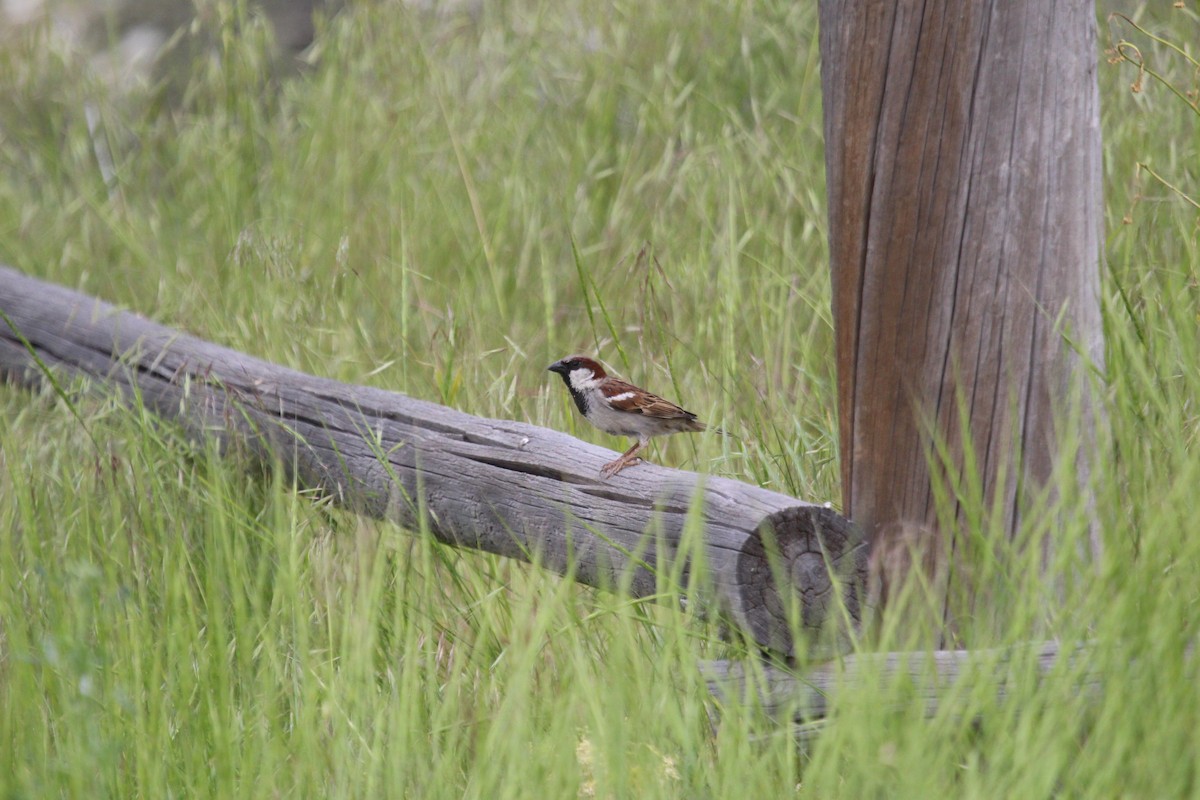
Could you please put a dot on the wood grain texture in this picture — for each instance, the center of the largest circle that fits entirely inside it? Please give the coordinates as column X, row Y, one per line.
column 963, row 168
column 505, row 487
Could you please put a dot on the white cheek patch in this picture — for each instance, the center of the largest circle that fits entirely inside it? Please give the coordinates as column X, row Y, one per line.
column 581, row 378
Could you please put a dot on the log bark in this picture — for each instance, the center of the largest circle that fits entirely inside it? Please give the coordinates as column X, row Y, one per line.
column 963, row 168
column 500, row 486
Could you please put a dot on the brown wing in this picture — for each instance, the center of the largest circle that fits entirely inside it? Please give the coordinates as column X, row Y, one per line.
column 623, row 396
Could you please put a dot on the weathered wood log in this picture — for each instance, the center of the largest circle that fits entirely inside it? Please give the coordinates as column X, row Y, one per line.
column 930, row 676
column 505, row 487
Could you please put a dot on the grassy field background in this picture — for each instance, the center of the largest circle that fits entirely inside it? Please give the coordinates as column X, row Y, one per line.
column 441, row 203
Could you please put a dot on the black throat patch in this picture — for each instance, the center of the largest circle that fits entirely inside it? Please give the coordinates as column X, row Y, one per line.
column 576, row 395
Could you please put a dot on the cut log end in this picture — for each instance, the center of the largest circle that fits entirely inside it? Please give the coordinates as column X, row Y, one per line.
column 803, row 570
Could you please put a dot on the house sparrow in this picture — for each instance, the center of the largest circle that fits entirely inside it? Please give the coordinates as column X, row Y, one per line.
column 621, row 408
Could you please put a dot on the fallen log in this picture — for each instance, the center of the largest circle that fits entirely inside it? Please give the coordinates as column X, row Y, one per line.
column 500, row 486
column 929, row 675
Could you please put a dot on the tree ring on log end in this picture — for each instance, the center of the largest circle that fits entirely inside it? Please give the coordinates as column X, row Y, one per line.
column 812, row 551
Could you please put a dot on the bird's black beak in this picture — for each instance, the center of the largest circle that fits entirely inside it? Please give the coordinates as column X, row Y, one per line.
column 557, row 366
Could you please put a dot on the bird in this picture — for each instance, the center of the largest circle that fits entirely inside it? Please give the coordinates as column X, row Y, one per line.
column 620, row 408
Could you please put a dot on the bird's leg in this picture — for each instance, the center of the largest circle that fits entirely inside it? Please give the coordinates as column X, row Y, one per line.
column 627, row 459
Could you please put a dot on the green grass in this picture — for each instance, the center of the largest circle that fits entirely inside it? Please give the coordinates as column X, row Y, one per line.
column 442, row 204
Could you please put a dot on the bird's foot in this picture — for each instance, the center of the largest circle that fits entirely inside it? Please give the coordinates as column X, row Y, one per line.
column 612, row 468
